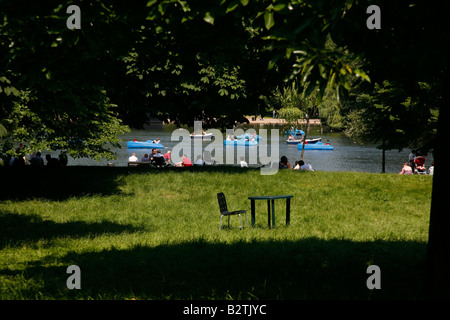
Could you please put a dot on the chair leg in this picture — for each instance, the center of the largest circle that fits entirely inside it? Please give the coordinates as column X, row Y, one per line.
column 220, row 226
column 246, row 218
column 240, row 220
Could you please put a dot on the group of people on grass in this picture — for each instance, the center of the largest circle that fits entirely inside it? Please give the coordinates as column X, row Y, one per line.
column 19, row 159
column 416, row 165
column 157, row 158
column 299, row 165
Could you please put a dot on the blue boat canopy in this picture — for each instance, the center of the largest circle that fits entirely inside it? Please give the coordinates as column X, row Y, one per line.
column 144, row 145
column 315, row 146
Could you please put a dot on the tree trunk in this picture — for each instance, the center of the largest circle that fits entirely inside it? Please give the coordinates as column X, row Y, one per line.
column 438, row 258
column 304, row 138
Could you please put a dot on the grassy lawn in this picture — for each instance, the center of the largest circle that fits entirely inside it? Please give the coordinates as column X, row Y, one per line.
column 154, row 234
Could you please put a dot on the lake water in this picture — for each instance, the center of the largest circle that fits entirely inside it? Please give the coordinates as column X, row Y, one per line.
column 346, row 156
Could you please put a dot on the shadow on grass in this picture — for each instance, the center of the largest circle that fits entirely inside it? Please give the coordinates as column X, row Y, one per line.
column 304, row 269
column 15, row 229
column 62, row 183
column 57, row 183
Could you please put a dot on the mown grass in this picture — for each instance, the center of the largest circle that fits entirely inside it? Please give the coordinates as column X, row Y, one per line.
column 154, row 234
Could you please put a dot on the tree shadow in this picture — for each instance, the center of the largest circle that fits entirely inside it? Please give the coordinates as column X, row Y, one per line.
column 61, row 183
column 17, row 229
column 58, row 183
column 303, row 269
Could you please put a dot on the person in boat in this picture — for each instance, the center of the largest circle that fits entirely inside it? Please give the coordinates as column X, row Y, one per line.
column 284, row 163
column 228, row 138
column 406, row 169
column 291, row 137
column 328, row 143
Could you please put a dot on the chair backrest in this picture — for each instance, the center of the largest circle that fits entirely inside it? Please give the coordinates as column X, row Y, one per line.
column 159, row 161
column 222, row 202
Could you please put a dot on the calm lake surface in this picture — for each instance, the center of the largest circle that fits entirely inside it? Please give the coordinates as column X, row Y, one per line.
column 346, row 156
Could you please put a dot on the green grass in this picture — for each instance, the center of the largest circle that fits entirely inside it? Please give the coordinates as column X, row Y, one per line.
column 154, row 234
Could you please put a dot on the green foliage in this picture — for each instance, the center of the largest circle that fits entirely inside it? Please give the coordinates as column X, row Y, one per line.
column 185, row 60
column 291, row 115
column 387, row 115
column 80, row 136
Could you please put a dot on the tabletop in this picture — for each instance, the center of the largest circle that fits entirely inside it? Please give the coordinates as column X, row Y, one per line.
column 270, row 197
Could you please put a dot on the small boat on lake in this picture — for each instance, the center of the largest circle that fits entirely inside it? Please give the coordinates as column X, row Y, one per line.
column 149, row 144
column 309, row 141
column 295, row 132
column 249, row 136
column 202, row 136
column 315, row 146
column 240, row 142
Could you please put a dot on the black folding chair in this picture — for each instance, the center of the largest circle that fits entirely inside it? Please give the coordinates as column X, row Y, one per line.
column 224, row 211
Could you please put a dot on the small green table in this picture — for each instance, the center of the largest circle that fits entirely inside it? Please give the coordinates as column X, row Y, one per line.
column 272, row 199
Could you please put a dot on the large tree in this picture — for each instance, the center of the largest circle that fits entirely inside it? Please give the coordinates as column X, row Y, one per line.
column 410, row 49
column 58, row 97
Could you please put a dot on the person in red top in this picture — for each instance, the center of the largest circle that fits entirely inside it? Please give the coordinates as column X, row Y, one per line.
column 167, row 156
column 185, row 162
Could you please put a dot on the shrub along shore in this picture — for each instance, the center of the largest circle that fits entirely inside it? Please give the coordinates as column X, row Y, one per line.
column 142, row 233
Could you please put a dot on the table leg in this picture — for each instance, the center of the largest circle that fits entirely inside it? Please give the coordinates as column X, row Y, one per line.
column 288, row 211
column 273, row 213
column 253, row 212
column 268, row 212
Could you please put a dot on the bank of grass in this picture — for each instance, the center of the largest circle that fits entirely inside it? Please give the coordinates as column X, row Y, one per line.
column 154, row 234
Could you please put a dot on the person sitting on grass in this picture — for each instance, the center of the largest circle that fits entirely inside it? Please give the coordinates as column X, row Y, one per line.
column 243, row 163
column 167, row 156
column 406, row 169
column 301, row 165
column 157, row 158
column 185, row 162
column 284, row 163
column 199, row 161
column 133, row 158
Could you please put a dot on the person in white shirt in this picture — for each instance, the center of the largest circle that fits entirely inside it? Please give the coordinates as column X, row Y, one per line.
column 302, row 166
column 431, row 169
column 133, row 158
column 243, row 163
